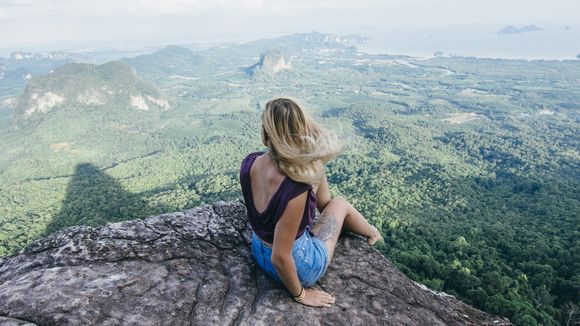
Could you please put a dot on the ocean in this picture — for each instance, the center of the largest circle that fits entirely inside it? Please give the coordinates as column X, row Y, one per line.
column 554, row 42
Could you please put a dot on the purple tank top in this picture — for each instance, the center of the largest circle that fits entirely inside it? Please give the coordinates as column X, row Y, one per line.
column 264, row 223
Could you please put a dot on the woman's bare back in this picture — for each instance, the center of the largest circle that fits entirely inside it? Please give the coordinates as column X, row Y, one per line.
column 265, row 180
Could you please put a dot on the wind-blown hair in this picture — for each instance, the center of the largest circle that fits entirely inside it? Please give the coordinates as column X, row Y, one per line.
column 299, row 145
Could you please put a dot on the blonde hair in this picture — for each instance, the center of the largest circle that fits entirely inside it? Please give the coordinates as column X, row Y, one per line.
column 297, row 143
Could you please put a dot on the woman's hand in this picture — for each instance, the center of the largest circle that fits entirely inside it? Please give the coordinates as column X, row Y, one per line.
column 317, row 298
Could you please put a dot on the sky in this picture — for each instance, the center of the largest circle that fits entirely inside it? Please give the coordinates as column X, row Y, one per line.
column 74, row 24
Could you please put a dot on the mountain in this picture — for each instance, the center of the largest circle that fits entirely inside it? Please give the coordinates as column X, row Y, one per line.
column 170, row 61
column 515, row 30
column 195, row 267
column 100, row 114
column 86, row 85
column 270, row 62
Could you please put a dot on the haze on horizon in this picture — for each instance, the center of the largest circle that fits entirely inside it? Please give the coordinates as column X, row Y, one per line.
column 45, row 25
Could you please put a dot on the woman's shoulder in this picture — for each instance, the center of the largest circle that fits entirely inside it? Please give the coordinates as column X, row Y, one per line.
column 256, row 153
column 252, row 155
column 247, row 163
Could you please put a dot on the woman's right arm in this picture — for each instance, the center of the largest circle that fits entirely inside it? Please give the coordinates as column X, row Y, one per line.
column 284, row 236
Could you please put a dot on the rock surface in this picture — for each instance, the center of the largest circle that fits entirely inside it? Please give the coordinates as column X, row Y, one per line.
column 195, row 268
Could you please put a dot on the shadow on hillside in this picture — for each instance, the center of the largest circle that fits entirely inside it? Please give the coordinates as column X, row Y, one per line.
column 94, row 198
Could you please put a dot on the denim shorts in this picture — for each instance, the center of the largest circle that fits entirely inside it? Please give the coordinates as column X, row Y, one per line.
column 309, row 253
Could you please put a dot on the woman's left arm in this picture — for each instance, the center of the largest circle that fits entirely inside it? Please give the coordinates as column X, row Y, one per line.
column 284, row 236
column 322, row 193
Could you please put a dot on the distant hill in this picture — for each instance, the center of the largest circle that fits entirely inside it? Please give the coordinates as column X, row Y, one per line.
column 270, row 63
column 298, row 41
column 180, row 63
column 19, row 67
column 515, row 30
column 87, row 85
column 171, row 60
column 296, row 44
column 333, row 38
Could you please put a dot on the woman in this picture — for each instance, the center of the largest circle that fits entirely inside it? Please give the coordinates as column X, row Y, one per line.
column 282, row 187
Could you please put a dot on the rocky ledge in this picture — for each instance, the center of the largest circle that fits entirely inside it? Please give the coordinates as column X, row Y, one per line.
column 195, row 268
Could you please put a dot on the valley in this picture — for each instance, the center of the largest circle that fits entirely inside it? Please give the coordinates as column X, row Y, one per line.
column 470, row 167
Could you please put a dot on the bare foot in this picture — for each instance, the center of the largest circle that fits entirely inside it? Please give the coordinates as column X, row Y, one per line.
column 376, row 235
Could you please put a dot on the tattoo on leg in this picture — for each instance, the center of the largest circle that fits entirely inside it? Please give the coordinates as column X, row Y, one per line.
column 326, row 226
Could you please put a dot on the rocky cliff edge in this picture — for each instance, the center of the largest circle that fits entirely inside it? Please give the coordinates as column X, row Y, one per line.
column 195, row 268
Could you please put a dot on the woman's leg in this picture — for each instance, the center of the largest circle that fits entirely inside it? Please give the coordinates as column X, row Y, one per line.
column 338, row 213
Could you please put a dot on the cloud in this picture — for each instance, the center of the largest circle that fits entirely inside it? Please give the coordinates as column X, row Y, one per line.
column 192, row 6
column 409, row 8
column 138, row 7
column 32, row 3
column 168, row 7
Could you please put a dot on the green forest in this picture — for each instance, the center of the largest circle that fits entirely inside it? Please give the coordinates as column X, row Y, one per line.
column 469, row 167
